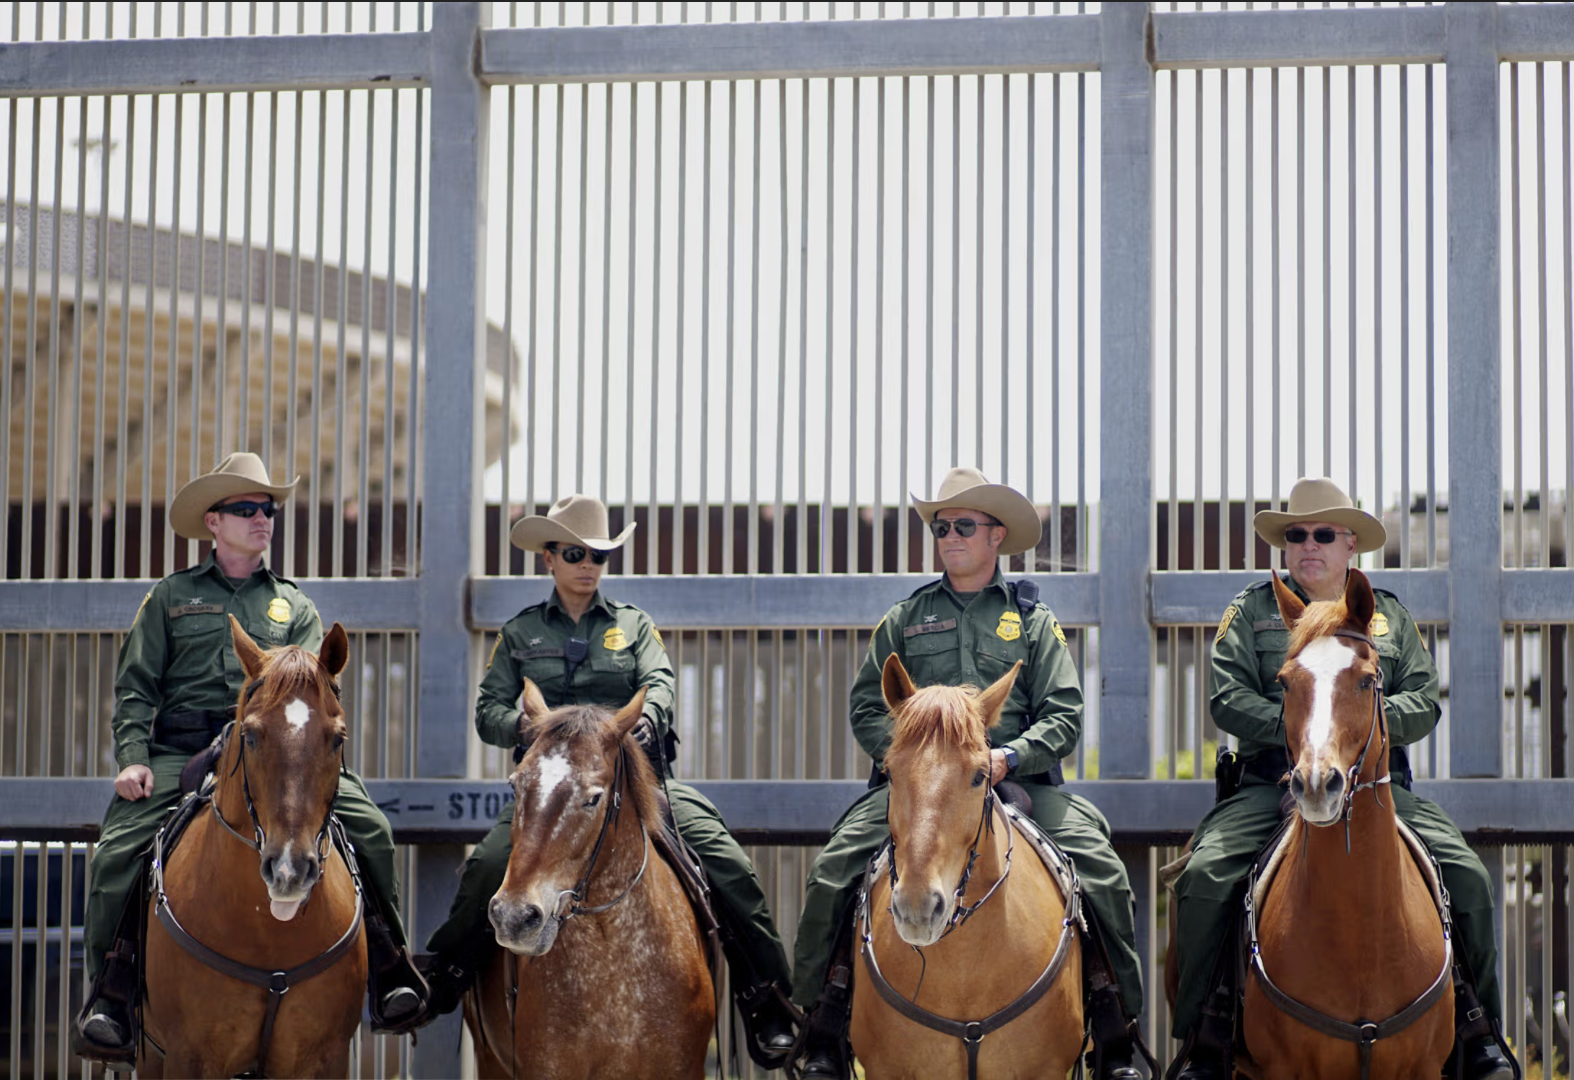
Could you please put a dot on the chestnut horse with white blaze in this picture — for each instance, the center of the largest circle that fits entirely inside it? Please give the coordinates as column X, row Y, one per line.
column 259, row 885
column 1351, row 973
column 968, row 965
column 605, row 972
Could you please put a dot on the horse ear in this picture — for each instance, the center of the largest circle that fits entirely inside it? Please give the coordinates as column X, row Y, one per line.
column 629, row 715
column 993, row 699
column 335, row 651
column 1290, row 607
column 531, row 703
column 250, row 656
column 1359, row 600
column 895, row 683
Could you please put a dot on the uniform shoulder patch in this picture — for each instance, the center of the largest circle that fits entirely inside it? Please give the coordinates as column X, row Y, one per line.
column 657, row 633
column 1224, row 623
column 1054, row 626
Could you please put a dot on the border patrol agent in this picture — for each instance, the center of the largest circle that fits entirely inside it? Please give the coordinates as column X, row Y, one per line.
column 175, row 688
column 1321, row 532
column 971, row 626
column 579, row 647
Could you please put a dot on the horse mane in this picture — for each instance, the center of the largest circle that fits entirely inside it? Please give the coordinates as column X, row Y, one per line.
column 571, row 721
column 943, row 715
column 289, row 670
column 1321, row 619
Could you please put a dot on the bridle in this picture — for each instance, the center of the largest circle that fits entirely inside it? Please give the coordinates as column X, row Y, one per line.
column 1365, row 1034
column 277, row 983
column 960, row 912
column 570, row 903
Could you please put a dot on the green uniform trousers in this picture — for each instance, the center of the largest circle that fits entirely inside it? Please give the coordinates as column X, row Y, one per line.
column 128, row 832
column 1074, row 823
column 740, row 902
column 1211, row 889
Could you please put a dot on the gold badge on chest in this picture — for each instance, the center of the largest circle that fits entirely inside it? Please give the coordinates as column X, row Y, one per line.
column 1379, row 625
column 279, row 609
column 1010, row 627
column 614, row 640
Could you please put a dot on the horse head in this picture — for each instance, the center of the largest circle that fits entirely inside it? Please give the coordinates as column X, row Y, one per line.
column 939, row 810
column 569, row 791
column 1334, row 729
column 285, row 753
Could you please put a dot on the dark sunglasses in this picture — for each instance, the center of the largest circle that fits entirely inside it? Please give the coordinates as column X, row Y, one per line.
column 1295, row 534
column 247, row 509
column 965, row 527
column 572, row 555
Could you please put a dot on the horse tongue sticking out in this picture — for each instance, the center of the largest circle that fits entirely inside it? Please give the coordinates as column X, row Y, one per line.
column 284, row 910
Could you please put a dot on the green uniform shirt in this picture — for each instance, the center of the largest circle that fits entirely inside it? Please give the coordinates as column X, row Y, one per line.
column 1249, row 649
column 942, row 641
column 178, row 656
column 626, row 653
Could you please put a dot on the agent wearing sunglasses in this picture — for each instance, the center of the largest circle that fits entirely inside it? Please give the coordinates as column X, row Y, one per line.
column 1320, row 534
column 969, row 627
column 579, row 647
column 175, row 687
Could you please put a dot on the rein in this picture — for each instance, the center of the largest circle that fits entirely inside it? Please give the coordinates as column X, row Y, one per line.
column 1365, row 1034
column 570, row 903
column 971, row 1032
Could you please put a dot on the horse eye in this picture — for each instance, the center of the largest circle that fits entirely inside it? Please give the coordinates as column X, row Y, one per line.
column 1366, row 683
column 251, row 740
column 591, row 802
column 978, row 778
column 338, row 742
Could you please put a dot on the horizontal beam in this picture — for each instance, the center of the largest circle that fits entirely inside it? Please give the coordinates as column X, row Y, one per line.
column 767, row 601
column 1535, row 32
column 1186, row 597
column 108, row 606
column 1297, row 38
column 845, row 48
column 803, row 811
column 181, row 65
column 1537, row 596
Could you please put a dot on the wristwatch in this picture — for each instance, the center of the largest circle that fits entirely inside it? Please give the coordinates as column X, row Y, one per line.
column 1011, row 759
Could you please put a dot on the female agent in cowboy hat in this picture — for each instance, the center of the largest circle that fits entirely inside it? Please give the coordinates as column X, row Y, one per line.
column 175, row 689
column 1320, row 533
column 973, row 626
column 577, row 646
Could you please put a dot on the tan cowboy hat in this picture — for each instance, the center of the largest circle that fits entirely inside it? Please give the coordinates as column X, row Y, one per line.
column 968, row 489
column 238, row 474
column 1317, row 498
column 574, row 519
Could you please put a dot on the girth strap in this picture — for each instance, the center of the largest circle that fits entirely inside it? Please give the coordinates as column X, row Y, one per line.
column 971, row 1032
column 277, row 983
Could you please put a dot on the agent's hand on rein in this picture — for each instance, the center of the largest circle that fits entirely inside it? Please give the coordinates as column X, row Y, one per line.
column 134, row 782
column 997, row 767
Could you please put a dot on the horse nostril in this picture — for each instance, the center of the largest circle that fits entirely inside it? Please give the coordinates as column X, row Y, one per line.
column 267, row 867
column 532, row 916
column 1335, row 783
column 936, row 905
column 1297, row 785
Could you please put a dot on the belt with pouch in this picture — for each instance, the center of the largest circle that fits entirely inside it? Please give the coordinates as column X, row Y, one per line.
column 192, row 730
column 1270, row 765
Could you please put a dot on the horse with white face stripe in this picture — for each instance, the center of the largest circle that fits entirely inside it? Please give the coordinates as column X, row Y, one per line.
column 1350, row 933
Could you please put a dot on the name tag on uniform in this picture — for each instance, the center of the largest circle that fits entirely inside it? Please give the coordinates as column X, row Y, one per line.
column 195, row 609
column 929, row 628
column 534, row 654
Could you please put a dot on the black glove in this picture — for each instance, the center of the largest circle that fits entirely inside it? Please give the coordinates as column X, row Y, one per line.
column 651, row 742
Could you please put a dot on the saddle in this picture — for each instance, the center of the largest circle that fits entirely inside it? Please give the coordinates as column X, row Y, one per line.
column 675, row 851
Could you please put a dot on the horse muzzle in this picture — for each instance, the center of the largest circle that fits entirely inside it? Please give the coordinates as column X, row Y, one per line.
column 1318, row 793
column 522, row 926
column 920, row 914
column 290, row 874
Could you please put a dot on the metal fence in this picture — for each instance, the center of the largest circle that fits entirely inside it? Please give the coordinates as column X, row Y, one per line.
column 753, row 273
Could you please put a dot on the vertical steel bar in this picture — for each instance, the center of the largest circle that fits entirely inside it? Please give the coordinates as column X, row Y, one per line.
column 1249, row 309
column 1404, row 324
column 827, row 504
column 1325, row 121
column 1544, row 530
column 1378, row 247
column 680, row 356
column 1431, row 329
column 1474, row 409
column 1126, row 433
column 753, row 538
column 1171, row 84
column 1226, row 519
column 855, row 152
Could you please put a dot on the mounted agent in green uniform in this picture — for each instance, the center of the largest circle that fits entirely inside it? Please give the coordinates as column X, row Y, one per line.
column 579, row 647
column 971, row 626
column 1320, row 534
column 175, row 688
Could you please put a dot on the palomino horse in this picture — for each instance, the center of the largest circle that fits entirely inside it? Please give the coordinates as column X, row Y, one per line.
column 230, row 941
column 606, row 972
column 959, row 939
column 1350, row 965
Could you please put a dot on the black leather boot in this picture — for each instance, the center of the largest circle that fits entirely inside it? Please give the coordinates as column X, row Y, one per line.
column 397, row 990
column 770, row 1021
column 1479, row 1054
column 1114, row 1052
column 105, row 1030
column 825, row 1053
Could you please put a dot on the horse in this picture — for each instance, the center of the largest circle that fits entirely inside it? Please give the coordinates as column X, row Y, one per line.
column 605, row 970
column 960, row 940
column 1350, row 961
column 258, row 897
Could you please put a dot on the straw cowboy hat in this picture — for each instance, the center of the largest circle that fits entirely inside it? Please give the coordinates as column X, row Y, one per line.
column 968, row 489
column 239, row 474
column 1319, row 499
column 574, row 519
